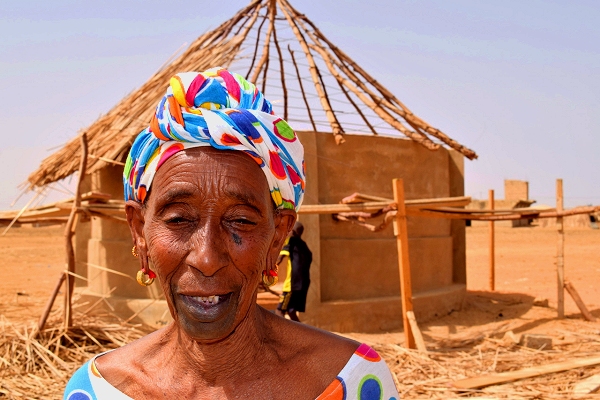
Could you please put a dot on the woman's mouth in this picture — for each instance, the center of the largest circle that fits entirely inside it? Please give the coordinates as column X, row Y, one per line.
column 210, row 300
column 206, row 308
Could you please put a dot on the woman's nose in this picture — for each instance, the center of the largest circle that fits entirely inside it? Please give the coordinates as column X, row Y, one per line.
column 208, row 253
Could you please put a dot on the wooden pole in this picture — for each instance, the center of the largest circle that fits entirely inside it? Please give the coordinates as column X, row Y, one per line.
column 560, row 254
column 492, row 245
column 69, row 235
column 403, row 262
column 416, row 332
column 50, row 303
column 580, row 304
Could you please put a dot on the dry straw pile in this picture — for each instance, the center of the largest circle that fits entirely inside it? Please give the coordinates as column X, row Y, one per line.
column 38, row 365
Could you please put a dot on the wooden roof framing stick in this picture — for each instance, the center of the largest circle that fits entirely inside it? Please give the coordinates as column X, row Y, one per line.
column 260, row 26
column 310, row 117
column 401, row 110
column 249, row 22
column 560, row 253
column 333, row 121
column 357, row 108
column 345, row 91
column 265, row 52
column 401, row 233
column 380, row 111
column 281, row 67
column 272, row 11
column 68, row 322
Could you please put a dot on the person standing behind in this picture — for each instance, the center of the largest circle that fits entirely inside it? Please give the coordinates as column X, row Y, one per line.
column 295, row 286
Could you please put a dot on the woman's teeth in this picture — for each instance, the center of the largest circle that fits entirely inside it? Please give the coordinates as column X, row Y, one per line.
column 207, row 300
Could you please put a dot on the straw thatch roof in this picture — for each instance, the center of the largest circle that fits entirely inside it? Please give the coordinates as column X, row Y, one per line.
column 312, row 83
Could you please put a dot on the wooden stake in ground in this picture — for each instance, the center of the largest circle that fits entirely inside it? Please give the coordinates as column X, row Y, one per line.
column 69, row 234
column 416, row 332
column 580, row 304
column 403, row 262
column 560, row 254
column 492, row 245
column 50, row 303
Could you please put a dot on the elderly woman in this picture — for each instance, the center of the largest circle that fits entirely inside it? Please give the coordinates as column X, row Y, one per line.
column 212, row 190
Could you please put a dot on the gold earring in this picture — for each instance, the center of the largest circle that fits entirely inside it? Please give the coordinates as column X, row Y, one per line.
column 269, row 277
column 134, row 251
column 145, row 278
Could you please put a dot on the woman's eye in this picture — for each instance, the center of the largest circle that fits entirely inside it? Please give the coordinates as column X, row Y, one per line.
column 244, row 221
column 241, row 223
column 176, row 220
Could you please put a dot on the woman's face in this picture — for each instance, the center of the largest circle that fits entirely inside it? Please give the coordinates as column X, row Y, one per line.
column 210, row 229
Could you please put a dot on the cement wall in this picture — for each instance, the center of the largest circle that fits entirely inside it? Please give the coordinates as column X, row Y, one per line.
column 357, row 270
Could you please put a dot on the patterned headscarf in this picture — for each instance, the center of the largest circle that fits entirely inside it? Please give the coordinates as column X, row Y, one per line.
column 219, row 109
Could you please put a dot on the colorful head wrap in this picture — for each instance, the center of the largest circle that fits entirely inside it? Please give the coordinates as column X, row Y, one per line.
column 219, row 109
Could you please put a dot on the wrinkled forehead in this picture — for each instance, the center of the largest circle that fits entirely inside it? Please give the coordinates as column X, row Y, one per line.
column 208, row 171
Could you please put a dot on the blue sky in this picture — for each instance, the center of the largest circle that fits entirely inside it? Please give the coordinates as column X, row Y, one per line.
column 518, row 81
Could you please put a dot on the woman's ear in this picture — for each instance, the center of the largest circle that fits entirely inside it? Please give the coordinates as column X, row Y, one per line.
column 284, row 222
column 135, row 219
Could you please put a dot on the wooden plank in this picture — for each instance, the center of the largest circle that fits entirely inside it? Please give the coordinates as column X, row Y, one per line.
column 492, row 245
column 465, row 214
column 586, row 386
column 504, row 377
column 99, row 196
column 378, row 205
column 403, row 262
column 560, row 253
column 580, row 304
column 495, row 211
column 341, row 208
column 416, row 332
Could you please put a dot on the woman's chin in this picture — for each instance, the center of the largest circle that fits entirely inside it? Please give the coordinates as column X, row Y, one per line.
column 204, row 318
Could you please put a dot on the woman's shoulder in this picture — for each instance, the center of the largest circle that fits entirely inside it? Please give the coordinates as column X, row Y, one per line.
column 333, row 364
column 302, row 336
column 123, row 367
column 304, row 344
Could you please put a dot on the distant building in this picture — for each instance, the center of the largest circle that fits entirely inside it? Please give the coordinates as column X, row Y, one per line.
column 516, row 195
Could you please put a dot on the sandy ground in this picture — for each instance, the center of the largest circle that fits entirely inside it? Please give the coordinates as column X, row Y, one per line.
column 526, row 262
column 32, row 260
